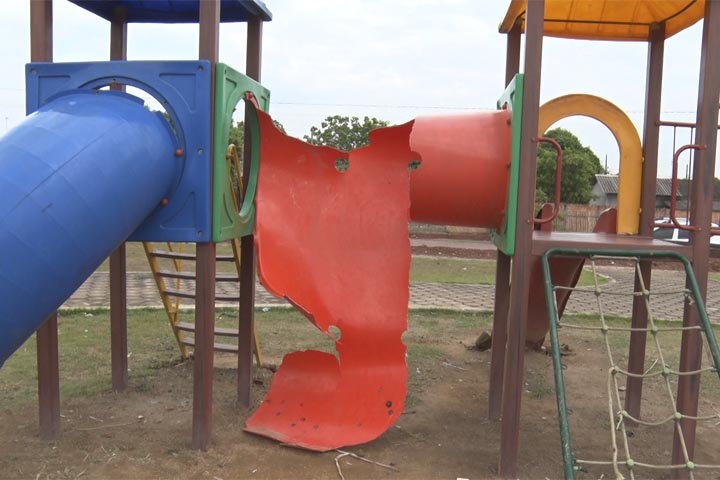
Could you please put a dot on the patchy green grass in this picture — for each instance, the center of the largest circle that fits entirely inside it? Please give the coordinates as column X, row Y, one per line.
column 452, row 270
column 423, row 269
column 619, row 342
column 136, row 260
column 84, row 346
column 85, row 354
column 467, row 271
column 84, row 349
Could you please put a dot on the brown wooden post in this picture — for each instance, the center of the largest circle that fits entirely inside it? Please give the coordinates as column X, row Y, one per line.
column 700, row 215
column 502, row 269
column 520, row 270
column 118, row 320
column 499, row 335
column 41, row 31
column 48, row 378
column 651, row 140
column 512, row 54
column 118, row 278
column 41, row 50
column 205, row 269
column 246, row 317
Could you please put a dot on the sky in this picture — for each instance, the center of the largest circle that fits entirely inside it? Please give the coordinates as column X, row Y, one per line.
column 394, row 60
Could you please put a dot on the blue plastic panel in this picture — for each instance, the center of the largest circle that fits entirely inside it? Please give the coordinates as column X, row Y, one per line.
column 76, row 178
column 183, row 88
column 175, row 11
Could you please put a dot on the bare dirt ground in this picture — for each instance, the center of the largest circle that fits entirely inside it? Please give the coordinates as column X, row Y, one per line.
column 444, row 432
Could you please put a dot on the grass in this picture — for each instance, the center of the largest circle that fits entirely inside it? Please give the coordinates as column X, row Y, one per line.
column 467, row 271
column 452, row 270
column 670, row 342
column 84, row 339
column 423, row 269
column 85, row 356
column 137, row 261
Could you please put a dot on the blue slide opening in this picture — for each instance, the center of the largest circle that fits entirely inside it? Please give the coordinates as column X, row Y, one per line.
column 77, row 177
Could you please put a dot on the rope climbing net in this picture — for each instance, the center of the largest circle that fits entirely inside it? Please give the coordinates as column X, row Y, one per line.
column 624, row 460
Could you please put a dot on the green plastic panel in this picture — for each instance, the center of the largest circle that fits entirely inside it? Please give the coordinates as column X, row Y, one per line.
column 230, row 88
column 512, row 98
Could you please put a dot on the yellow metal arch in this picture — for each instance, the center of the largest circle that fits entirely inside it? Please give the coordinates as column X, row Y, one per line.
column 628, row 141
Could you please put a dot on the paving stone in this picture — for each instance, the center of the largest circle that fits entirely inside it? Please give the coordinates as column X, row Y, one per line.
column 142, row 292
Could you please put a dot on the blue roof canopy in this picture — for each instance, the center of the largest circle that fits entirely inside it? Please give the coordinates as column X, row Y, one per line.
column 175, row 11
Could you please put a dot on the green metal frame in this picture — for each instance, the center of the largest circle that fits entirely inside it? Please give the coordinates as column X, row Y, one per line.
column 231, row 87
column 569, row 464
column 512, row 99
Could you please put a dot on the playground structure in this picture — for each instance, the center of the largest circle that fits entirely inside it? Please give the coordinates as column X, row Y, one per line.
column 191, row 160
column 178, row 202
column 638, row 21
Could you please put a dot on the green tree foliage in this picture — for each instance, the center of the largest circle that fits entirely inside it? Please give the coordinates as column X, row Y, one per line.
column 580, row 164
column 237, row 133
column 237, row 138
column 344, row 133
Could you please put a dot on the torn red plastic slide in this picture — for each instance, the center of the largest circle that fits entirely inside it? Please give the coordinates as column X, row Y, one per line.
column 332, row 238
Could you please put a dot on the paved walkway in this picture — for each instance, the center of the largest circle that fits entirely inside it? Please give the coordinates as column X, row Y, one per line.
column 143, row 293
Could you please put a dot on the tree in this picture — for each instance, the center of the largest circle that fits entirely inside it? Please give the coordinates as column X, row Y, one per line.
column 344, row 133
column 237, row 133
column 237, row 138
column 580, row 164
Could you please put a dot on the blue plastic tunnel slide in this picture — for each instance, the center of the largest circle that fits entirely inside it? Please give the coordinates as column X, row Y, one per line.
column 77, row 177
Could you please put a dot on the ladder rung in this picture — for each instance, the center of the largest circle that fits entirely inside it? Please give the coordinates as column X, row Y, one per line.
column 218, row 297
column 219, row 331
column 221, row 277
column 220, row 347
column 178, row 293
column 187, row 256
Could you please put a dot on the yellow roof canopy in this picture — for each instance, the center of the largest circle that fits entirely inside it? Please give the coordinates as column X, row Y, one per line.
column 609, row 19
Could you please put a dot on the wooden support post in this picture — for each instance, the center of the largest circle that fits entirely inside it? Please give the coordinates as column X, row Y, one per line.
column 204, row 341
column 651, row 141
column 118, row 34
column 700, row 215
column 48, row 378
column 118, row 320
column 520, row 271
column 41, row 31
column 205, row 266
column 502, row 268
column 512, row 53
column 499, row 335
column 41, row 50
column 246, row 318
column 118, row 278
